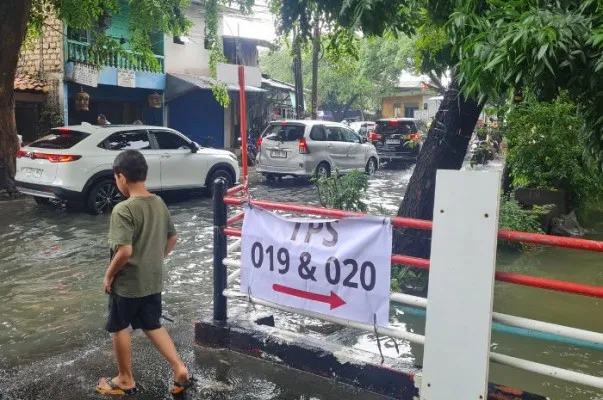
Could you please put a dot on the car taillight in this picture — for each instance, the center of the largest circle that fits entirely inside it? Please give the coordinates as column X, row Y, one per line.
column 259, row 142
column 393, row 122
column 374, row 136
column 413, row 136
column 53, row 158
column 303, row 146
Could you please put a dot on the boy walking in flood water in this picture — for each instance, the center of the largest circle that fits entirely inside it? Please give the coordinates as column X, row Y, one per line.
column 141, row 235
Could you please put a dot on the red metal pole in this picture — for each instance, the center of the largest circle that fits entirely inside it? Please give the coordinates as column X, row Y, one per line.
column 518, row 279
column 235, row 218
column 514, row 236
column 243, row 122
column 235, row 190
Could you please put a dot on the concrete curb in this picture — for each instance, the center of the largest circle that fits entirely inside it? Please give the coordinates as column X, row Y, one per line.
column 257, row 337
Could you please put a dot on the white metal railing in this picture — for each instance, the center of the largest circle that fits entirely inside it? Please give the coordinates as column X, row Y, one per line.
column 526, row 365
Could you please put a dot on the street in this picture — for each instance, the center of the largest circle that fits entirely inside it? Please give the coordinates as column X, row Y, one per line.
column 52, row 343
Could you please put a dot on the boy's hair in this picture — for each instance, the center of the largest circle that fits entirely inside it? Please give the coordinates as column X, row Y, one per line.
column 132, row 165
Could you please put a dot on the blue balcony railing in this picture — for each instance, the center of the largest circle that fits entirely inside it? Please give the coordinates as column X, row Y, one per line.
column 80, row 52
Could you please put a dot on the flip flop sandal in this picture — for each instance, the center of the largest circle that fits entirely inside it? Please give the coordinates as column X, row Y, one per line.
column 180, row 387
column 115, row 390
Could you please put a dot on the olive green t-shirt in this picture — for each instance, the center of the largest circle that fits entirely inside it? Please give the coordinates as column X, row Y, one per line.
column 144, row 223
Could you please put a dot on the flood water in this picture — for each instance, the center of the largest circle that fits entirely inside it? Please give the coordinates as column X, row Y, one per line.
column 52, row 308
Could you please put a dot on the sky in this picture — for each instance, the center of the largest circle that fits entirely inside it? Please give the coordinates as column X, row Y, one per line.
column 259, row 25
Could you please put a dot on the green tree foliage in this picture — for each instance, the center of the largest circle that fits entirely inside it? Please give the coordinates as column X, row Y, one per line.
column 347, row 79
column 343, row 192
column 546, row 149
column 546, row 46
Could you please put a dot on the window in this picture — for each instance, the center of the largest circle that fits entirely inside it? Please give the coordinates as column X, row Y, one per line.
column 350, row 136
column 170, row 141
column 333, row 134
column 396, row 110
column 59, row 139
column 136, row 140
column 409, row 110
column 318, row 133
column 285, row 132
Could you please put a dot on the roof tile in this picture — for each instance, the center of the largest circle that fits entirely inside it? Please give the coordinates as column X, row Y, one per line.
column 26, row 83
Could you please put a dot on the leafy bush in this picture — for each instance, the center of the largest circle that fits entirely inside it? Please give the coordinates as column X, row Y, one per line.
column 343, row 192
column 546, row 149
column 514, row 218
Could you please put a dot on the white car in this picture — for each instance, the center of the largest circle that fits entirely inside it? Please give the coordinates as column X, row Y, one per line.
column 313, row 148
column 74, row 163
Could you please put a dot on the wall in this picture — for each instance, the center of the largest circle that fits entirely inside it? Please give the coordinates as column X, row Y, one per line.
column 198, row 115
column 191, row 57
column 387, row 103
column 119, row 104
column 46, row 53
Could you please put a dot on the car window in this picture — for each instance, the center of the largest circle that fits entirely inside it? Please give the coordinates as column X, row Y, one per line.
column 170, row 141
column 318, row 133
column 395, row 126
column 285, row 132
column 136, row 140
column 333, row 134
column 61, row 138
column 350, row 136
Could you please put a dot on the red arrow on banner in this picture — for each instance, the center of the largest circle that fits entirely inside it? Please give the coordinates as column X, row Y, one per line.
column 333, row 300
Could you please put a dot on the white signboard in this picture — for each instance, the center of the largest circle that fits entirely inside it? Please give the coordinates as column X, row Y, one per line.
column 126, row 78
column 335, row 267
column 229, row 73
column 85, row 74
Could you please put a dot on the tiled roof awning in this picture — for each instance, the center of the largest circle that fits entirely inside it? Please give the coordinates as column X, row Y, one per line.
column 27, row 83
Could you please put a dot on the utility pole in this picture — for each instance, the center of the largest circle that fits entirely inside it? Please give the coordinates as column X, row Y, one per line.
column 315, row 53
column 297, row 74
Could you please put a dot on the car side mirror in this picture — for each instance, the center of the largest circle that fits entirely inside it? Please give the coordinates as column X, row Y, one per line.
column 363, row 139
column 193, row 146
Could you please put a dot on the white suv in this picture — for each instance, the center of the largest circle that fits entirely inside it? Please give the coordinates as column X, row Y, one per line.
column 74, row 163
column 313, row 148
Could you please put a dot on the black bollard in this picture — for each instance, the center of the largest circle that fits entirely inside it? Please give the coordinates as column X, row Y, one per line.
column 220, row 276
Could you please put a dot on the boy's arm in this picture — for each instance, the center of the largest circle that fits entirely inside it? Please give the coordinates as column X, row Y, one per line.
column 120, row 259
column 169, row 246
column 172, row 235
column 121, row 231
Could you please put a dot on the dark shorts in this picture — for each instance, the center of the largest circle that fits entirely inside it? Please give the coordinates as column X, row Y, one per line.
column 138, row 312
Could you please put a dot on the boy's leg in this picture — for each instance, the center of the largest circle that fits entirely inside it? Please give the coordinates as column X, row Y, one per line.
column 122, row 347
column 165, row 346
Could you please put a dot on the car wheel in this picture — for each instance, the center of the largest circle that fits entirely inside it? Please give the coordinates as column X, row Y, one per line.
column 103, row 197
column 42, row 201
column 323, row 170
column 371, row 167
column 222, row 174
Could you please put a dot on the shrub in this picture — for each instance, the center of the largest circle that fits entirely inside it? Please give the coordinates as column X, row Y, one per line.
column 546, row 149
column 343, row 192
column 514, row 218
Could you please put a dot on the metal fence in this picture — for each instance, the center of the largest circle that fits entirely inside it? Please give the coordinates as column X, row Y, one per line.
column 226, row 227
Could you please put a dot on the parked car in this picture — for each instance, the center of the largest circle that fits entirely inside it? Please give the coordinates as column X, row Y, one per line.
column 74, row 163
column 398, row 139
column 313, row 148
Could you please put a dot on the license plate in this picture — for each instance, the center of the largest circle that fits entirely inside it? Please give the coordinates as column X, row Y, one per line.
column 278, row 154
column 392, row 141
column 33, row 172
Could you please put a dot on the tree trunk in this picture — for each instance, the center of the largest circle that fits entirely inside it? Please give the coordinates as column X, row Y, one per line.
column 445, row 148
column 315, row 52
column 14, row 15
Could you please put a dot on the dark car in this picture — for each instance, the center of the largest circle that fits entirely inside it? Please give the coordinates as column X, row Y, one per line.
column 398, row 139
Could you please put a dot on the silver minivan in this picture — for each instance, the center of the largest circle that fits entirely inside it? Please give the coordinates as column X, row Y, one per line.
column 307, row 148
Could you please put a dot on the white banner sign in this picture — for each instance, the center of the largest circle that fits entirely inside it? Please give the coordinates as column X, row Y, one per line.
column 229, row 73
column 126, row 78
column 335, row 267
column 85, row 74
